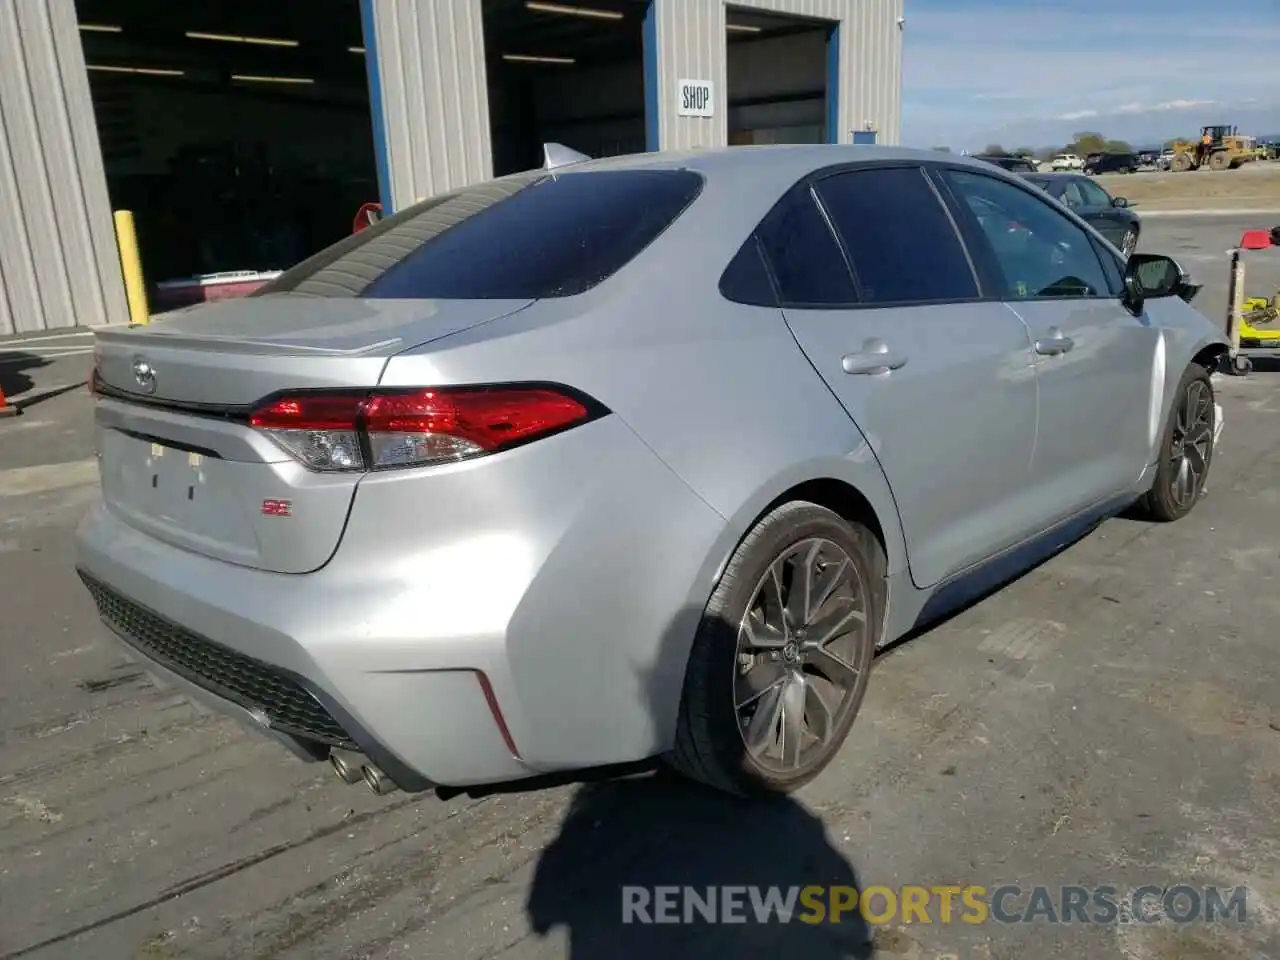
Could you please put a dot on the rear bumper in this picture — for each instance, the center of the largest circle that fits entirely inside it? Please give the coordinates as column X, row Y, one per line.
column 483, row 622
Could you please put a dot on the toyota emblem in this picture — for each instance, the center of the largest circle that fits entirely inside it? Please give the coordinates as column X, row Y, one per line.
column 144, row 375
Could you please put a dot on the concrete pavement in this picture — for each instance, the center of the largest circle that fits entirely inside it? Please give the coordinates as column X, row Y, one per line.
column 1111, row 718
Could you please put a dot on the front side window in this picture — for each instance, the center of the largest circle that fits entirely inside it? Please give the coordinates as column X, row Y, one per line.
column 899, row 236
column 1040, row 253
column 1094, row 195
column 1070, row 195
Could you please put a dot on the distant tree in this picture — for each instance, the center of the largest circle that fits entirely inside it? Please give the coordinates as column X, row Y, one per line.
column 1024, row 152
column 1087, row 142
column 943, row 149
column 1118, row 146
column 993, row 148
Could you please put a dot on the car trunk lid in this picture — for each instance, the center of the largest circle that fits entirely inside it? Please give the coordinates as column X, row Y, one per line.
column 178, row 458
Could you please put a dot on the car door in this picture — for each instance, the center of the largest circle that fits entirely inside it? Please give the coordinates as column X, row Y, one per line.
column 1097, row 208
column 888, row 310
column 1095, row 361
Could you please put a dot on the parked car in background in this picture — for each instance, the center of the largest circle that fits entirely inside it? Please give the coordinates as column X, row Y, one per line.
column 1147, row 159
column 1066, row 161
column 206, row 288
column 1110, row 216
column 1010, row 162
column 612, row 462
column 1096, row 163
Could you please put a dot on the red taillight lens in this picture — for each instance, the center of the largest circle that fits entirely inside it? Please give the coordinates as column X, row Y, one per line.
column 319, row 429
column 379, row 429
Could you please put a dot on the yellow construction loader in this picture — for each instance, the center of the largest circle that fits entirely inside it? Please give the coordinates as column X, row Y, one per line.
column 1219, row 148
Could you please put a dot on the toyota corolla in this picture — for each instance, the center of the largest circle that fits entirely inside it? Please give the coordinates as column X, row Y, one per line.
column 632, row 458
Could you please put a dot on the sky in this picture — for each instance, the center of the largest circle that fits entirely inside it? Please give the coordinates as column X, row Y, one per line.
column 1034, row 72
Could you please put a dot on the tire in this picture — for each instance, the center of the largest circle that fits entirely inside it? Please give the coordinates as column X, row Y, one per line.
column 717, row 702
column 1168, row 499
column 1220, row 161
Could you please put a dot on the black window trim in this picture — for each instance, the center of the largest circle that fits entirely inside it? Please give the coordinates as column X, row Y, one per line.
column 977, row 238
column 808, row 184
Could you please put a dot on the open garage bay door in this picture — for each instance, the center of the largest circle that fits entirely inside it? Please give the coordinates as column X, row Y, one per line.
column 781, row 88
column 564, row 73
column 239, row 134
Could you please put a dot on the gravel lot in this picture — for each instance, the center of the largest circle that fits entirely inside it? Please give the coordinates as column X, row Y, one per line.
column 1255, row 185
column 1111, row 718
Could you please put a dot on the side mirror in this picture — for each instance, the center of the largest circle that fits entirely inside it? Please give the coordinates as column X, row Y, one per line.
column 1152, row 276
column 1120, row 202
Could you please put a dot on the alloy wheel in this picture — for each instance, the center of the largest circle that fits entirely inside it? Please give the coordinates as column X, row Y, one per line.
column 1192, row 444
column 804, row 649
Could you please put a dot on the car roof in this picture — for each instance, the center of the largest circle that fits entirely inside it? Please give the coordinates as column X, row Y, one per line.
column 781, row 164
column 759, row 174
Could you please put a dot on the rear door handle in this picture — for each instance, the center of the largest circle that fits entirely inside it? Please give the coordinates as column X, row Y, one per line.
column 874, row 358
column 1054, row 344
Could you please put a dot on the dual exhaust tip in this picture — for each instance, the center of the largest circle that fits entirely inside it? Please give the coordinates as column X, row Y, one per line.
column 353, row 768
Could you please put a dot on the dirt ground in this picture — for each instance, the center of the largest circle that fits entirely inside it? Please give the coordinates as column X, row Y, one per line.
column 1255, row 185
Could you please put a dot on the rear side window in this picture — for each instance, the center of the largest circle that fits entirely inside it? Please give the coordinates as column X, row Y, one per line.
column 808, row 267
column 899, row 236
column 527, row 237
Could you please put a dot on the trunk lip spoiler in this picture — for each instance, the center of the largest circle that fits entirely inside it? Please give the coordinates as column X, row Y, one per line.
column 159, row 338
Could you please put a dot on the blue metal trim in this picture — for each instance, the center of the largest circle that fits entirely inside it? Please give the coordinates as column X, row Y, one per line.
column 833, row 85
column 651, row 103
column 864, row 136
column 377, row 116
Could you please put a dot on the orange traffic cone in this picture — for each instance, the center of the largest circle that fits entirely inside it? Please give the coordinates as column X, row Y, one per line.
column 7, row 409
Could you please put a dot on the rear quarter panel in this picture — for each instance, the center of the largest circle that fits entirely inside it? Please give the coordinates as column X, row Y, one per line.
column 719, row 391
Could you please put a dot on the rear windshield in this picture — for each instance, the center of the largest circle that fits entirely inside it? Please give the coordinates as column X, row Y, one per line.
column 531, row 236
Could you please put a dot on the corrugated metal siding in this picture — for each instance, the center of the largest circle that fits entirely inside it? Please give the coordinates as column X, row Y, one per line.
column 434, row 95
column 58, row 261
column 691, row 46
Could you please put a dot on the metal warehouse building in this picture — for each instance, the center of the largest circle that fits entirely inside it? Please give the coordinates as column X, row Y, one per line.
column 243, row 137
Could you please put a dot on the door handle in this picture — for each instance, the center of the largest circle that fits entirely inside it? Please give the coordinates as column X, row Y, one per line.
column 873, row 359
column 1054, row 344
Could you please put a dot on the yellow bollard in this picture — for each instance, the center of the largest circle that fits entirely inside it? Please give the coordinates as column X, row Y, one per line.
column 131, row 265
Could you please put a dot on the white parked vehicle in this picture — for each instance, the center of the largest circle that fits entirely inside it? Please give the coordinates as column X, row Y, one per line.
column 1067, row 161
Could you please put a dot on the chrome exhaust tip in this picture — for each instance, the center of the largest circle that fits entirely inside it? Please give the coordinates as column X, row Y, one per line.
column 346, row 765
column 377, row 781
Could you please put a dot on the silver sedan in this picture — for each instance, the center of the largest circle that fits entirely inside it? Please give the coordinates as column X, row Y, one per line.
column 633, row 458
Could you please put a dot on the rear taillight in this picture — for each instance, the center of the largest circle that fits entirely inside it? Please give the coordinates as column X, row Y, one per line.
column 370, row 430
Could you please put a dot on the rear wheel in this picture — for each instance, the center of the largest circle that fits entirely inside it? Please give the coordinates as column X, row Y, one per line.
column 779, row 666
column 1220, row 161
column 1186, row 450
column 1180, row 163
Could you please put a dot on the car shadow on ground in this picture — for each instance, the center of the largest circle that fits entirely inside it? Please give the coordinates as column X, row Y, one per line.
column 14, row 364
column 720, row 858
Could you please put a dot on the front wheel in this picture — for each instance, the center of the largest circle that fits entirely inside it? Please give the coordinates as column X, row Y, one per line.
column 1186, row 450
column 779, row 665
column 1129, row 242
